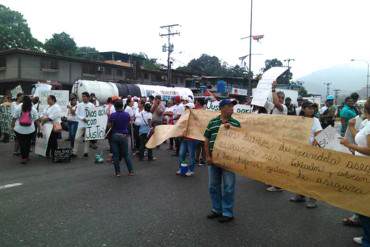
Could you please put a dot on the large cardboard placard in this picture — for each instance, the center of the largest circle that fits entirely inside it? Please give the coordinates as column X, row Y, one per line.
column 96, row 124
column 274, row 149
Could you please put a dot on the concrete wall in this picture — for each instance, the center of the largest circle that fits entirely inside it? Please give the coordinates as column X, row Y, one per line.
column 11, row 70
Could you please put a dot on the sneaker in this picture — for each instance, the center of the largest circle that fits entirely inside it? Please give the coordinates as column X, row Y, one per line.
column 274, row 189
column 225, row 219
column 23, row 161
column 178, row 173
column 358, row 240
column 189, row 174
column 297, row 198
column 213, row 215
column 86, row 155
column 311, row 204
column 131, row 174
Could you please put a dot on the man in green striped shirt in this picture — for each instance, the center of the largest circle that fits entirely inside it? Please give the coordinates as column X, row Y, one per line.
column 222, row 201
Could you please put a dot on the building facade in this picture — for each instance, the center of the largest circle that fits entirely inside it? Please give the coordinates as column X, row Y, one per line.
column 25, row 68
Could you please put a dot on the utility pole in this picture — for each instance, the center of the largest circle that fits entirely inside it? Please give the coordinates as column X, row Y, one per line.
column 288, row 60
column 169, row 48
column 336, row 94
column 327, row 84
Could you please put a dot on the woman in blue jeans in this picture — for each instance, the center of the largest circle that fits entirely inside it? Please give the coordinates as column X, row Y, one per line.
column 119, row 122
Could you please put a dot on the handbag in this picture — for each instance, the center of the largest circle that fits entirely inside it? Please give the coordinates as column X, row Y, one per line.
column 57, row 127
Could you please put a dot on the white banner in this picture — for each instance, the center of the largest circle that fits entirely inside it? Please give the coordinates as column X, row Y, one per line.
column 42, row 143
column 214, row 106
column 97, row 120
column 263, row 90
column 62, row 97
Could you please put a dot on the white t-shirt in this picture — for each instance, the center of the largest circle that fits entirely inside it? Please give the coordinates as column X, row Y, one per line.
column 138, row 118
column 298, row 110
column 145, row 126
column 14, row 106
column 24, row 130
column 81, row 112
column 178, row 110
column 54, row 113
column 361, row 137
column 316, row 126
column 130, row 111
column 323, row 109
column 270, row 107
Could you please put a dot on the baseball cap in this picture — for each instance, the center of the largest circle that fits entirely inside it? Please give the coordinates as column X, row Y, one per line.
column 177, row 99
column 225, row 102
column 330, row 97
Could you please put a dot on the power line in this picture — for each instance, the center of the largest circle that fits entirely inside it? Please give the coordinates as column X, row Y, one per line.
column 169, row 48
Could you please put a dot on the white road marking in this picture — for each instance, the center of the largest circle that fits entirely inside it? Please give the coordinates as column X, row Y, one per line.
column 10, row 186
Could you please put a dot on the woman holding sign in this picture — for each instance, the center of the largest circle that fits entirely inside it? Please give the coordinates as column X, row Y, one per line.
column 362, row 148
column 24, row 127
column 52, row 114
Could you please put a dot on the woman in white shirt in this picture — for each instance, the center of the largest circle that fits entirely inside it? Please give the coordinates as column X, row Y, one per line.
column 24, row 118
column 144, row 131
column 362, row 148
column 72, row 120
column 308, row 110
column 52, row 114
column 137, row 123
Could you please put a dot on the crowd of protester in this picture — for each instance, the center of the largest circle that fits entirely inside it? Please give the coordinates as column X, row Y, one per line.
column 132, row 121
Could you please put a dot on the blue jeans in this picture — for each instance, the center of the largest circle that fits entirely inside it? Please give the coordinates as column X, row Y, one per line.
column 365, row 222
column 222, row 197
column 188, row 146
column 121, row 150
column 72, row 129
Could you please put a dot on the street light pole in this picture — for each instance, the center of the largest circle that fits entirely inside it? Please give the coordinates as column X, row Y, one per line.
column 367, row 76
column 250, row 51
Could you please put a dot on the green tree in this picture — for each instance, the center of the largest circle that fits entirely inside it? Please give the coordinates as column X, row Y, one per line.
column 14, row 31
column 89, row 53
column 147, row 63
column 212, row 65
column 61, row 44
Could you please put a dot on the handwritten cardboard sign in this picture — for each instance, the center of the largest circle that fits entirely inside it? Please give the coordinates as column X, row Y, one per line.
column 274, row 149
column 62, row 97
column 96, row 124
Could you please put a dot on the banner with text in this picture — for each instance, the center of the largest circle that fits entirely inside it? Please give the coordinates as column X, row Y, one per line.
column 214, row 106
column 274, row 149
column 96, row 121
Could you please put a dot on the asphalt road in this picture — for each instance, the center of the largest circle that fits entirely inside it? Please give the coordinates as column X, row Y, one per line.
column 82, row 204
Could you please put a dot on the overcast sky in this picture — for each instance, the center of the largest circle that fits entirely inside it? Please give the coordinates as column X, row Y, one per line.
column 316, row 33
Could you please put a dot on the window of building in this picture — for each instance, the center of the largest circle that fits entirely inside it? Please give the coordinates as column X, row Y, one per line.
column 89, row 69
column 119, row 72
column 108, row 70
column 3, row 62
column 146, row 76
column 49, row 64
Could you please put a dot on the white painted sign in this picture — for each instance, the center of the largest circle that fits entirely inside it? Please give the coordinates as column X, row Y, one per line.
column 214, row 106
column 327, row 137
column 96, row 124
column 42, row 143
column 62, row 97
column 263, row 90
column 239, row 91
column 18, row 89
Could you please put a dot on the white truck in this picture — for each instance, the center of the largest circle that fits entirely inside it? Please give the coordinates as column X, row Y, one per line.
column 104, row 90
